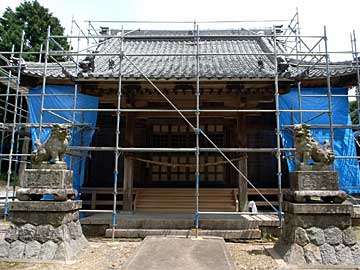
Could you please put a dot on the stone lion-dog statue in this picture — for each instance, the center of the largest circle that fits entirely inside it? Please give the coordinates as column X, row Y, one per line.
column 54, row 148
column 307, row 148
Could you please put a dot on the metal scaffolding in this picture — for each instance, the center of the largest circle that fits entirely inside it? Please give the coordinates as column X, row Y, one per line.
column 297, row 46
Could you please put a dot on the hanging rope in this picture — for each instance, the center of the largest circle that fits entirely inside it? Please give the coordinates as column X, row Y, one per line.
column 184, row 165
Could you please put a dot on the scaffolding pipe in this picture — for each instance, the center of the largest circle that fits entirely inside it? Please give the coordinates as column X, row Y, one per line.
column 278, row 139
column 300, row 102
column 237, row 213
column 17, row 148
column 60, row 117
column 328, row 82
column 75, row 101
column 165, row 150
column 197, row 113
column 94, row 211
column 43, row 90
column 56, row 53
column 347, row 157
column 117, row 142
column 40, row 55
column 11, row 105
column 43, row 125
column 5, row 113
column 36, row 95
column 202, row 36
column 297, row 45
column 185, row 111
column 324, row 126
column 12, row 141
column 185, row 22
column 348, row 96
column 14, row 155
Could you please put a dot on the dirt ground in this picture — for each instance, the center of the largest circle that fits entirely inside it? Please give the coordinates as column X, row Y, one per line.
column 103, row 254
column 252, row 256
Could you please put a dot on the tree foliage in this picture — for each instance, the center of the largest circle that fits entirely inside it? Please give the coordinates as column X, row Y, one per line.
column 354, row 112
column 34, row 19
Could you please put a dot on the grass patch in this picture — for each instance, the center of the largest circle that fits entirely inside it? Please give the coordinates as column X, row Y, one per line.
column 9, row 265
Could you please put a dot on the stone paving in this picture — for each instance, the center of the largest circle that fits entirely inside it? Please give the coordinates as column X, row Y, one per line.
column 177, row 253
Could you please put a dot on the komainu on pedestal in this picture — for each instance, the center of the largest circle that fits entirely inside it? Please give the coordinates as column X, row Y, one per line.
column 318, row 225
column 45, row 230
column 49, row 174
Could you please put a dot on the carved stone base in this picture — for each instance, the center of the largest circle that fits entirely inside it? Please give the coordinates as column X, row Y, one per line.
column 327, row 196
column 35, row 194
column 43, row 231
column 315, row 186
column 53, row 179
column 314, row 180
column 318, row 234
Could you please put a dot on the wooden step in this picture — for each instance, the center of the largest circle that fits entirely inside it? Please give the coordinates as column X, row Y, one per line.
column 183, row 200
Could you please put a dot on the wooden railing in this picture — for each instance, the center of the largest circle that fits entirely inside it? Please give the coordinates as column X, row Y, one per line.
column 269, row 193
column 95, row 191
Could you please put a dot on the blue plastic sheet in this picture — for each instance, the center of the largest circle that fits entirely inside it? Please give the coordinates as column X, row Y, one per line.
column 82, row 134
column 344, row 145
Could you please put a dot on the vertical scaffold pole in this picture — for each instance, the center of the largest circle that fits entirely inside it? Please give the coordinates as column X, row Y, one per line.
column 88, row 38
column 117, row 141
column 298, row 29
column 297, row 48
column 8, row 86
column 299, row 102
column 73, row 120
column 12, row 141
column 40, row 54
column 17, row 146
column 197, row 131
column 277, row 115
column 356, row 55
column 43, row 90
column 328, row 82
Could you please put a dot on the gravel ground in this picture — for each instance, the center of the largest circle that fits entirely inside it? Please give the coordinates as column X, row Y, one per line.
column 103, row 254
column 252, row 256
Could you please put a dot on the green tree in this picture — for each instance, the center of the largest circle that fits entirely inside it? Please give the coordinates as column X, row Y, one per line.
column 34, row 19
column 354, row 112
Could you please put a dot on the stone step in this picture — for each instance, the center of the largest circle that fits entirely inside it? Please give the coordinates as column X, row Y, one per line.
column 226, row 234
column 226, row 224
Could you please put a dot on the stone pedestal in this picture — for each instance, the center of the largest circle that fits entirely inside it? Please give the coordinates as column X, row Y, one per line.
column 307, row 186
column 319, row 230
column 318, row 234
column 45, row 178
column 43, row 231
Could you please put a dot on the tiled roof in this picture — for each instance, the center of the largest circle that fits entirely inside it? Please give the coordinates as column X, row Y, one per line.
column 162, row 63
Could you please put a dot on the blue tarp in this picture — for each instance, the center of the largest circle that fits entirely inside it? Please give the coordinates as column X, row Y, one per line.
column 82, row 133
column 344, row 145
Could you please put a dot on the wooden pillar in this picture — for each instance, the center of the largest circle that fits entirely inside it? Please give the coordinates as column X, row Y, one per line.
column 243, row 185
column 129, row 165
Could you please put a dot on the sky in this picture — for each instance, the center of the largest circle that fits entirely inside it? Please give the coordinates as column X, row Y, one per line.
column 340, row 17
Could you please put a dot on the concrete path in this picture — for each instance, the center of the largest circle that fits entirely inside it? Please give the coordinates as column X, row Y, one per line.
column 175, row 253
